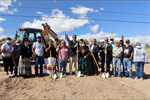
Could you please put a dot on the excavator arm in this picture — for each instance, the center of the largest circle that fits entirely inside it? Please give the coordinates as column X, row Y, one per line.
column 48, row 31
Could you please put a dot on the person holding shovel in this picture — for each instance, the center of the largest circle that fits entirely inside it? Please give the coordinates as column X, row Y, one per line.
column 94, row 48
column 108, row 47
column 63, row 50
column 73, row 44
column 85, row 65
column 48, row 65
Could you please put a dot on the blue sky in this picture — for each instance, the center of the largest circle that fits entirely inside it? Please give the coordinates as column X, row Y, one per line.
column 87, row 29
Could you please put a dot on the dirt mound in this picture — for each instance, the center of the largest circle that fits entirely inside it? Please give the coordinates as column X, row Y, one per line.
column 71, row 87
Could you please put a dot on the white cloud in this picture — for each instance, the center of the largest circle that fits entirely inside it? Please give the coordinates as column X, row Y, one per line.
column 4, row 36
column 94, row 28
column 4, row 4
column 102, row 8
column 57, row 24
column 141, row 39
column 39, row 12
column 2, row 19
column 82, row 11
column 20, row 4
column 99, row 36
column 15, row 0
column 1, row 30
column 15, row 10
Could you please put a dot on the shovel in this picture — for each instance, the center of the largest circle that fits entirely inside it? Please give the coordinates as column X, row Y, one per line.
column 77, row 73
column 53, row 75
column 106, row 74
column 59, row 74
column 101, row 75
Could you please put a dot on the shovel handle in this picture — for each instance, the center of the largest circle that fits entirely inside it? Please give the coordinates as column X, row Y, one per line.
column 77, row 59
column 95, row 60
column 105, row 60
column 59, row 61
column 51, row 60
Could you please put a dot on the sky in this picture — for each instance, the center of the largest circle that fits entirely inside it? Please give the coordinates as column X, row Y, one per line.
column 130, row 18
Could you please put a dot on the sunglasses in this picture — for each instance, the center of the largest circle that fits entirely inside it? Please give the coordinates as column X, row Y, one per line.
column 106, row 40
column 74, row 37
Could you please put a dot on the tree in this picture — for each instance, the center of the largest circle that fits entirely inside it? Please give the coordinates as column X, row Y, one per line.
column 98, row 42
column 147, row 46
column 134, row 45
column 86, row 41
column 2, row 40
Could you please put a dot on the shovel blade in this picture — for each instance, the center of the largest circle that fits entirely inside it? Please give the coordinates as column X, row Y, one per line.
column 103, row 75
column 107, row 75
column 59, row 75
column 54, row 76
column 78, row 73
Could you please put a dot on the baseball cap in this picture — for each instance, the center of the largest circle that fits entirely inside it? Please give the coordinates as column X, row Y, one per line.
column 39, row 37
column 127, row 41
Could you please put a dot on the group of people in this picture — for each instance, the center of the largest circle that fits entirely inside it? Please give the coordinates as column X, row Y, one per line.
column 54, row 53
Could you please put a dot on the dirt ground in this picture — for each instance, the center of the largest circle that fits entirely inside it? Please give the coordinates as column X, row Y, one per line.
column 71, row 87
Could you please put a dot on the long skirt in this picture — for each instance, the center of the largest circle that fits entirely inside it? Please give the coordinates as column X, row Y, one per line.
column 48, row 67
column 85, row 65
column 24, row 67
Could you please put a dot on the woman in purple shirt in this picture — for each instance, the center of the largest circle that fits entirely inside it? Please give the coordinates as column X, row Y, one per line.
column 63, row 56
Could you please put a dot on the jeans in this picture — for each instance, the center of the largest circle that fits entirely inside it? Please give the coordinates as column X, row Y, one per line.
column 122, row 66
column 63, row 65
column 118, row 61
column 39, row 60
column 139, row 67
column 108, row 64
column 16, row 67
column 128, row 63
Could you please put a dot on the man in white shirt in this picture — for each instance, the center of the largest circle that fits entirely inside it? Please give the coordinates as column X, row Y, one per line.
column 38, row 51
column 6, row 49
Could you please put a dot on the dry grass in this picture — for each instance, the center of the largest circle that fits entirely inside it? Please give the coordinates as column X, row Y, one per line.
column 147, row 50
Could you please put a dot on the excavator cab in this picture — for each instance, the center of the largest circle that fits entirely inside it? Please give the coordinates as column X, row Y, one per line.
column 31, row 34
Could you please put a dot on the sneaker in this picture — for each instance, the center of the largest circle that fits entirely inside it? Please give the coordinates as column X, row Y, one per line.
column 82, row 74
column 125, row 76
column 70, row 73
column 11, row 74
column 141, row 78
column 64, row 74
column 23, row 77
column 87, row 74
column 7, row 76
column 15, row 76
column 136, row 78
column 119, row 76
column 132, row 78
column 114, row 75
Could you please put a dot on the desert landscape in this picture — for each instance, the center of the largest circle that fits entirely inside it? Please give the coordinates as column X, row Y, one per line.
column 72, row 87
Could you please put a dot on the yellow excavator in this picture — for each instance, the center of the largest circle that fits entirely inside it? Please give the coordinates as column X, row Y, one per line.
column 32, row 34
